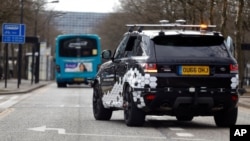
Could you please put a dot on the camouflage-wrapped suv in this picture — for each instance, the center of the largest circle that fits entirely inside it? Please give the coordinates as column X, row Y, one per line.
column 178, row 70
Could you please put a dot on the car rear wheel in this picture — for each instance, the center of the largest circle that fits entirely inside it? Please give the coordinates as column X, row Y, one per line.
column 184, row 118
column 226, row 118
column 132, row 115
column 99, row 111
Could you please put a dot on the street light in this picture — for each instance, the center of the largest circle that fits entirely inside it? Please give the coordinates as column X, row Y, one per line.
column 20, row 47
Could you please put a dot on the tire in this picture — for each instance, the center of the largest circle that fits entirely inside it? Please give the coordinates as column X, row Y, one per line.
column 184, row 118
column 132, row 115
column 61, row 85
column 226, row 118
column 100, row 113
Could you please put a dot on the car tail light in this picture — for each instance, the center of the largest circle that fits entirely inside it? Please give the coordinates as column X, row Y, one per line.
column 58, row 69
column 235, row 98
column 150, row 67
column 150, row 97
column 233, row 68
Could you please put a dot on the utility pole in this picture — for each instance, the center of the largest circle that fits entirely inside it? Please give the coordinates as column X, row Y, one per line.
column 20, row 48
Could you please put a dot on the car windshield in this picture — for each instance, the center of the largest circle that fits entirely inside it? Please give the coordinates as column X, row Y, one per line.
column 190, row 46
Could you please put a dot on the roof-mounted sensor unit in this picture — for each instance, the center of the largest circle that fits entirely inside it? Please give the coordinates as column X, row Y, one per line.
column 164, row 21
column 181, row 21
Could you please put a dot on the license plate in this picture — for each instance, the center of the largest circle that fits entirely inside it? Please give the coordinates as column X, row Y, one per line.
column 194, row 70
column 78, row 79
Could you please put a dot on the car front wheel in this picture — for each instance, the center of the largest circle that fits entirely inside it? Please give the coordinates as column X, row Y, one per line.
column 99, row 111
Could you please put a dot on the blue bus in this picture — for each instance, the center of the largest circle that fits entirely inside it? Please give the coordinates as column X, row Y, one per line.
column 77, row 58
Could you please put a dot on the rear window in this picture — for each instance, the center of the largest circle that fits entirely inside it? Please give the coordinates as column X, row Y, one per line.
column 77, row 47
column 190, row 46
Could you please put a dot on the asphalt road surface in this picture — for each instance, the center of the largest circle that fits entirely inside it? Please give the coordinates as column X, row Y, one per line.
column 65, row 114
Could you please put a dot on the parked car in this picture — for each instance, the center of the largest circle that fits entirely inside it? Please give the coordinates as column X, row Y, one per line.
column 170, row 69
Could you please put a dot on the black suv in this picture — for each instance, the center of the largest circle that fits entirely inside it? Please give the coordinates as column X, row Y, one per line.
column 178, row 70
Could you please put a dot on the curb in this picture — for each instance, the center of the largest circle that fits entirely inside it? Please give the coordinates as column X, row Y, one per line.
column 243, row 105
column 24, row 91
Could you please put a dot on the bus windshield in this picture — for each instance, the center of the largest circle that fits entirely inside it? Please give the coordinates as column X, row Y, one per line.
column 77, row 47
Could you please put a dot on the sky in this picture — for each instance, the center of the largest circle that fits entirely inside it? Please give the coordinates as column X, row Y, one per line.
column 99, row 6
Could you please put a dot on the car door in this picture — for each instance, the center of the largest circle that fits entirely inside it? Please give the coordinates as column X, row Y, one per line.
column 113, row 81
column 109, row 72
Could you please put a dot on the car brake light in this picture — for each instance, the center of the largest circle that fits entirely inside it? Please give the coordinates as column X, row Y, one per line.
column 150, row 97
column 235, row 98
column 150, row 68
column 233, row 68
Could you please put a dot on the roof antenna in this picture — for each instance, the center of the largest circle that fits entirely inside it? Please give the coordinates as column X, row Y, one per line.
column 131, row 29
column 140, row 29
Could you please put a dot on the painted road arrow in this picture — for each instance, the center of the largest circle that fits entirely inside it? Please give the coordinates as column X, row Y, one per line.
column 44, row 128
column 63, row 132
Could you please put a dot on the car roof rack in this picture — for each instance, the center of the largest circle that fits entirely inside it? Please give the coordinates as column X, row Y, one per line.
column 165, row 24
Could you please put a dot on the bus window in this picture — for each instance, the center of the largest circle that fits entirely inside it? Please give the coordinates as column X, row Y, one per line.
column 80, row 47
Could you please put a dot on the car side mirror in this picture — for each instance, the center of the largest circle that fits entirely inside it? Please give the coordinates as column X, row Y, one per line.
column 106, row 54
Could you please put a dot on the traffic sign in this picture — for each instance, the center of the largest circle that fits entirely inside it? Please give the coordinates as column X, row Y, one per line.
column 13, row 33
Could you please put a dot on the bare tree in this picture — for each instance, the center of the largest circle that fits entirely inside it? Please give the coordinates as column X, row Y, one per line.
column 238, row 38
column 224, row 17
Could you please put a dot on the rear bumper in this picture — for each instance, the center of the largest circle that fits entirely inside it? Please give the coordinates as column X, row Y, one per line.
column 191, row 101
column 74, row 80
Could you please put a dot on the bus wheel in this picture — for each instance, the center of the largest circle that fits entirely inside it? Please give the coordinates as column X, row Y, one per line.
column 99, row 111
column 61, row 85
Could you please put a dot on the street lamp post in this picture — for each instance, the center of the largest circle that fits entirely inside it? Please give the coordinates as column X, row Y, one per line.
column 20, row 48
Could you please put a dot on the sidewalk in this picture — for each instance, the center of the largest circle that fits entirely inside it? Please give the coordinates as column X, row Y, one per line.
column 26, row 87
column 245, row 98
column 11, row 86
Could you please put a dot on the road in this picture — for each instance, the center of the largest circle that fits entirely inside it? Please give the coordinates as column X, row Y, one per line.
column 65, row 114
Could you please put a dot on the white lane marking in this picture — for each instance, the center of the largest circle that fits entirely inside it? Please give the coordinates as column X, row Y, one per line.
column 184, row 134
column 2, row 97
column 14, row 97
column 68, row 106
column 176, row 129
column 190, row 139
column 63, row 132
column 61, row 105
column 44, row 128
column 9, row 101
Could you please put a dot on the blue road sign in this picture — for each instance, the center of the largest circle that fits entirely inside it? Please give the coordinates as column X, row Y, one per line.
column 13, row 33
